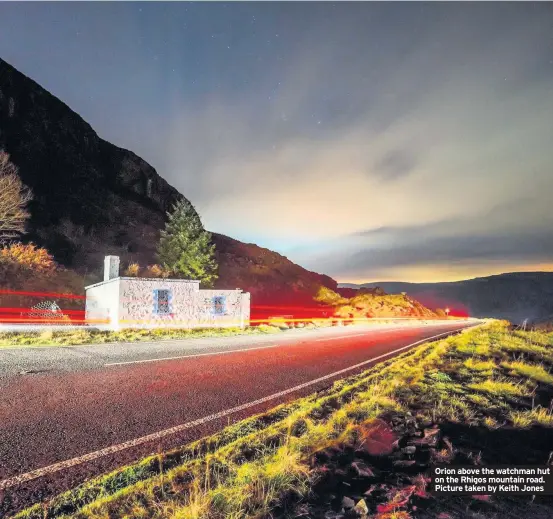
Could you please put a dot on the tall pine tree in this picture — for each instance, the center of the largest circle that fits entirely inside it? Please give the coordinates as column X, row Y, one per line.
column 185, row 247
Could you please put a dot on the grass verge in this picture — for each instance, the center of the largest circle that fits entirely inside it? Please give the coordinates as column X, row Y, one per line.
column 85, row 337
column 472, row 388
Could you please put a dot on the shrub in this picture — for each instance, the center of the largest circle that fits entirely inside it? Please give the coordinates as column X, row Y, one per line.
column 29, row 257
column 132, row 270
column 329, row 297
column 156, row 271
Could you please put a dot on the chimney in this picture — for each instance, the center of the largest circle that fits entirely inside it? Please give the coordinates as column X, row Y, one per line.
column 111, row 267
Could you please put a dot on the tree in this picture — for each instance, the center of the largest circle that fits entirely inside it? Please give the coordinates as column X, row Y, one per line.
column 14, row 196
column 30, row 257
column 185, row 247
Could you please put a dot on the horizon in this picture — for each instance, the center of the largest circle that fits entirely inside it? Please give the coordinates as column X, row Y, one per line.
column 446, row 281
column 419, row 157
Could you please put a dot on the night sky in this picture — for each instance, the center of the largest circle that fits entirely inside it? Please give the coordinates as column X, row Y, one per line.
column 369, row 141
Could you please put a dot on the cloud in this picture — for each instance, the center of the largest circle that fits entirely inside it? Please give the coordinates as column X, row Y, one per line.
column 396, row 164
column 429, row 150
column 360, row 139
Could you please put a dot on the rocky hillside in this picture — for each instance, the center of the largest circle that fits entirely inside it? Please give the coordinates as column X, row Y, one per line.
column 373, row 302
column 93, row 198
column 90, row 197
column 514, row 296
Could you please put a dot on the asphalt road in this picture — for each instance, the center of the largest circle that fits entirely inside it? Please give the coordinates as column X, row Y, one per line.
column 69, row 413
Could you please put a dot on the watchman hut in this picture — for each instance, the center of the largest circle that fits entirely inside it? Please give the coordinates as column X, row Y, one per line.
column 129, row 302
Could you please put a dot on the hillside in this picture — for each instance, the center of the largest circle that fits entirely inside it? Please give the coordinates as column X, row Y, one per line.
column 271, row 278
column 90, row 197
column 93, row 198
column 514, row 296
column 373, row 302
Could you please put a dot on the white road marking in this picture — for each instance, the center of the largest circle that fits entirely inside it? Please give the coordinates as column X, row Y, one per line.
column 56, row 467
column 191, row 356
column 233, row 351
column 242, row 349
column 347, row 336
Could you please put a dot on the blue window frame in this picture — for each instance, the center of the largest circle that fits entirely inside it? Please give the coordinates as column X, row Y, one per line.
column 219, row 305
column 163, row 301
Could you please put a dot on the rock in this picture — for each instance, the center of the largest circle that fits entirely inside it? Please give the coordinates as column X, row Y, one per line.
column 347, row 502
column 362, row 470
column 341, row 473
column 410, row 449
column 404, row 463
column 361, row 508
column 331, row 514
column 370, row 490
column 430, row 437
column 376, row 437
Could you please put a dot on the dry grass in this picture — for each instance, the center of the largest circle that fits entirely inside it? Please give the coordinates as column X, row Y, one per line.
column 249, row 468
column 504, row 388
column 80, row 337
column 527, row 418
column 531, row 371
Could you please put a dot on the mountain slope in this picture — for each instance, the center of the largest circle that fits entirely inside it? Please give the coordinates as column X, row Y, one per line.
column 514, row 296
column 88, row 193
column 270, row 277
column 93, row 198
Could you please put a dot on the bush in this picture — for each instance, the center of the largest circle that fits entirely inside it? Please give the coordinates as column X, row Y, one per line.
column 329, row 297
column 132, row 270
column 156, row 271
column 29, row 257
column 31, row 269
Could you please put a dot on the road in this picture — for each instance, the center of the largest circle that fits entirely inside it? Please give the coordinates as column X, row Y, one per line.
column 69, row 413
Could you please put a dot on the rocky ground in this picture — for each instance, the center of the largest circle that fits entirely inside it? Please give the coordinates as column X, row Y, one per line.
column 385, row 475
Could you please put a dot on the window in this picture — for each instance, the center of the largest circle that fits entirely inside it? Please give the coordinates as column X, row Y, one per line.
column 219, row 304
column 162, row 302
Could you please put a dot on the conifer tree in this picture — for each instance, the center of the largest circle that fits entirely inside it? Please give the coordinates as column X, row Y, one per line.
column 185, row 247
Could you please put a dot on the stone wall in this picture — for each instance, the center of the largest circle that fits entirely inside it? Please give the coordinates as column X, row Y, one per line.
column 137, row 306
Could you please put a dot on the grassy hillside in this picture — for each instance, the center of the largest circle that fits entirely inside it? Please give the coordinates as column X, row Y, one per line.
column 481, row 397
column 374, row 304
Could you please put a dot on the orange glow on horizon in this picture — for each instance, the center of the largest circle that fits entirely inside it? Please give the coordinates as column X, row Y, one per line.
column 443, row 273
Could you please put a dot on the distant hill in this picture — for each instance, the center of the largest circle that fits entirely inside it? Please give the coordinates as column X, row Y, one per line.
column 93, row 199
column 514, row 296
